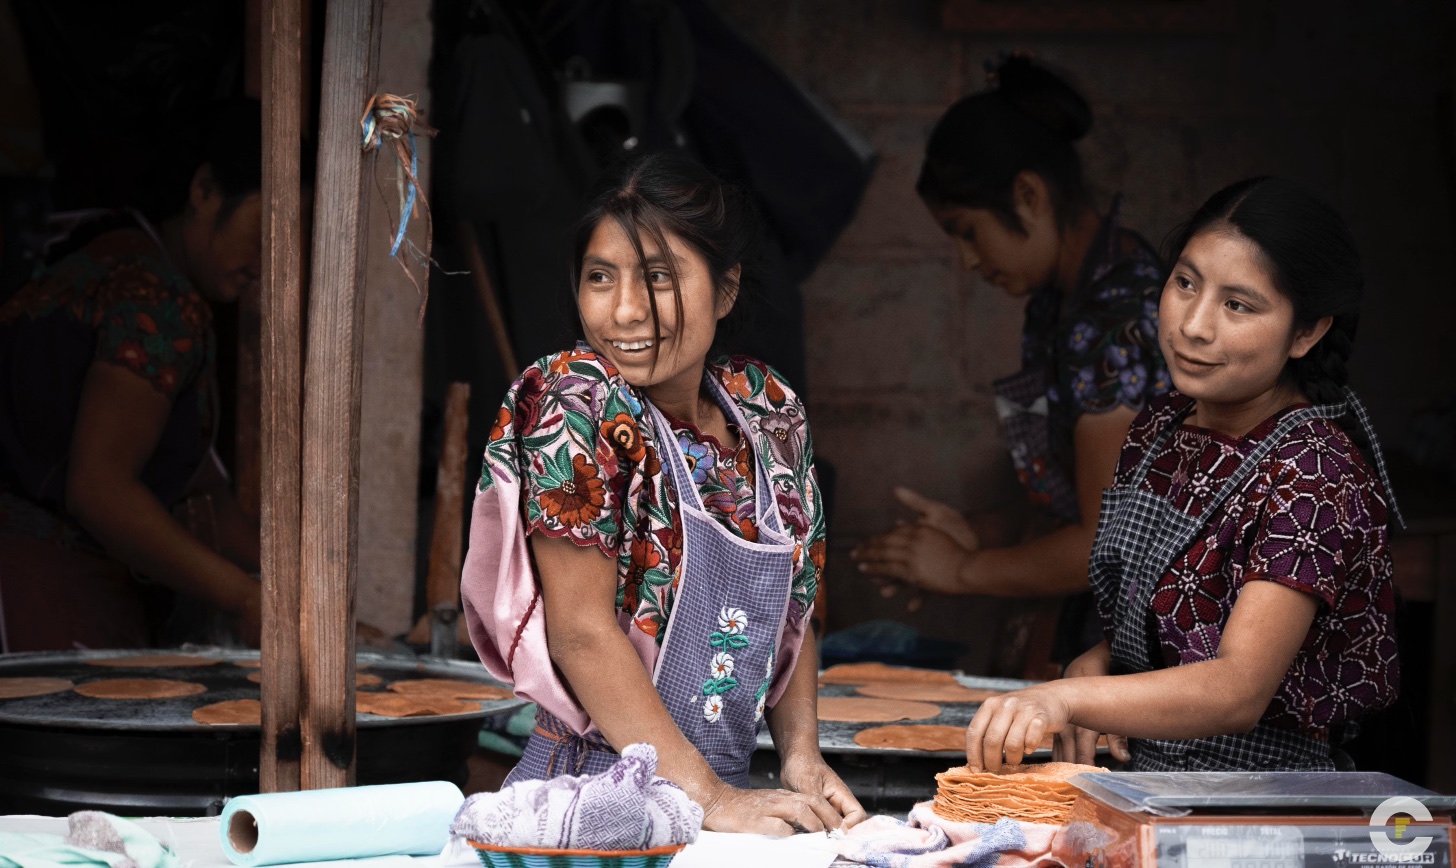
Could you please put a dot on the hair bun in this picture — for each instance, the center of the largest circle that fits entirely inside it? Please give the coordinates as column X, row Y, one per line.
column 1042, row 95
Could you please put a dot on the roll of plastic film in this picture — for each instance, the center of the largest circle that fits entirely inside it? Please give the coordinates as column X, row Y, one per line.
column 348, row 823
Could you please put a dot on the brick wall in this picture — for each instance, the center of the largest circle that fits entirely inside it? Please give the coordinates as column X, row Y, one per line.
column 1343, row 95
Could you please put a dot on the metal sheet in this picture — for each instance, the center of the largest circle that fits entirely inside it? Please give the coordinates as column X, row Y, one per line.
column 225, row 680
column 1175, row 793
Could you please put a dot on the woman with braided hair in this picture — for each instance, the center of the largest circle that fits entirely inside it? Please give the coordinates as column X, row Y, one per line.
column 1242, row 564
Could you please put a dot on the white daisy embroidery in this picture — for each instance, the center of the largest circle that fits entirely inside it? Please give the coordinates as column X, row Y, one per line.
column 758, row 712
column 713, row 709
column 768, row 672
column 722, row 665
column 732, row 621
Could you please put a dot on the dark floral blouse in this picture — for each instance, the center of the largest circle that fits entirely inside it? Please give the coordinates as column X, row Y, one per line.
column 1099, row 344
column 1312, row 518
column 116, row 300
column 579, row 440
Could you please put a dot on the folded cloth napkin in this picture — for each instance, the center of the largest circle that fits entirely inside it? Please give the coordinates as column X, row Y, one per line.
column 930, row 841
column 626, row 807
column 92, row 839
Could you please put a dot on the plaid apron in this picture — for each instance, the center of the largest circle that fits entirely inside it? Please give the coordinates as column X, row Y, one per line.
column 1139, row 535
column 717, row 659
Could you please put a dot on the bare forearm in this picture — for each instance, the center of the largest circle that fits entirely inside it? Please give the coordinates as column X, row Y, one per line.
column 1193, row 701
column 136, row 529
column 1051, row 565
column 626, row 706
column 794, row 719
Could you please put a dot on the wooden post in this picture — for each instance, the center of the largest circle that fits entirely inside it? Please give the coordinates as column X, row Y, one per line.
column 329, row 540
column 282, row 392
column 442, row 582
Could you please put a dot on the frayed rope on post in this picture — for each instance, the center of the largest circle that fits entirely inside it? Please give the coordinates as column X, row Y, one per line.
column 390, row 119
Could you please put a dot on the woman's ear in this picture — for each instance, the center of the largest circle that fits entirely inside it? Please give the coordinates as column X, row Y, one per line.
column 729, row 296
column 1305, row 339
column 203, row 196
column 1030, row 196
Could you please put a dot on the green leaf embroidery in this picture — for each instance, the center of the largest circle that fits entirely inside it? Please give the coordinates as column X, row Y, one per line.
column 582, row 427
column 719, row 686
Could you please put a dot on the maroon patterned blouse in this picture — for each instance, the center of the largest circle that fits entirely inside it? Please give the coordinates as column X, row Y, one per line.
column 1313, row 518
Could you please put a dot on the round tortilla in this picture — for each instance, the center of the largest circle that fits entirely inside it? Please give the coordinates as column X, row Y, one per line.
column 249, row 664
column 361, row 679
column 859, row 709
column 449, row 688
column 866, row 673
column 20, row 688
column 234, row 712
column 399, row 705
column 925, row 692
column 156, row 661
column 921, row 736
column 139, row 688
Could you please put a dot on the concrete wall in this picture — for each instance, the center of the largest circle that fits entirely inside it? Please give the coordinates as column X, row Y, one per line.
column 393, row 352
column 1345, row 96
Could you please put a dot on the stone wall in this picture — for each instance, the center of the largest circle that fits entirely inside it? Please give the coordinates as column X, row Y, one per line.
column 1349, row 97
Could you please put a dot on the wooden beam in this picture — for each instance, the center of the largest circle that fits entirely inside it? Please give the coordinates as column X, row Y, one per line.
column 329, row 541
column 282, row 392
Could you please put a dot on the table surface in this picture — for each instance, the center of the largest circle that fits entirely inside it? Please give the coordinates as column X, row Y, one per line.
column 196, row 843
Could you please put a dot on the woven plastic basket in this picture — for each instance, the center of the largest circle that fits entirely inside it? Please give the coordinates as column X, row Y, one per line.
column 526, row 857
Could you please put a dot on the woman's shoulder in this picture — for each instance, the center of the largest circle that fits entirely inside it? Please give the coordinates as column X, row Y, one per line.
column 579, row 371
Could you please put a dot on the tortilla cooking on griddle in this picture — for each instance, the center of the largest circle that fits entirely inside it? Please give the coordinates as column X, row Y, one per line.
column 20, row 688
column 915, row 736
column 155, row 661
column 867, row 673
column 234, row 712
column 917, row 691
column 400, row 705
column 449, row 688
column 139, row 688
column 862, row 709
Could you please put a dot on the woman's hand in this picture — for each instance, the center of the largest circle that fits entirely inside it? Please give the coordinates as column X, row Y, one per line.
column 918, row 555
column 813, row 776
column 1077, row 744
column 940, row 516
column 769, row 812
column 1015, row 724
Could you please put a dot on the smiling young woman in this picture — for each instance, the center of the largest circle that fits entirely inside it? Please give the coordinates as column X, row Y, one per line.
column 1242, row 565
column 648, row 533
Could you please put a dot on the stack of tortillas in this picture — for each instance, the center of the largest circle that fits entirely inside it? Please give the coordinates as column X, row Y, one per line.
column 1028, row 793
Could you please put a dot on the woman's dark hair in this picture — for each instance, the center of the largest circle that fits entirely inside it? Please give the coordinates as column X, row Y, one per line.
column 1026, row 123
column 654, row 194
column 226, row 135
column 1311, row 256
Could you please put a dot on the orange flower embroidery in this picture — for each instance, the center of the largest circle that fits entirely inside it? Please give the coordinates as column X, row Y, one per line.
column 625, row 437
column 579, row 500
column 817, row 552
column 738, row 385
column 774, row 391
column 167, row 378
column 502, row 419
column 748, row 529
column 146, row 323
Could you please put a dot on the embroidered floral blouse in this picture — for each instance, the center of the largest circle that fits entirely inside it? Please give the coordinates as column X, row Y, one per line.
column 578, row 439
column 117, row 300
column 1312, row 518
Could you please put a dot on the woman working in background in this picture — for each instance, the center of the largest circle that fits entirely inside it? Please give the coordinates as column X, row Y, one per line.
column 108, row 406
column 1003, row 179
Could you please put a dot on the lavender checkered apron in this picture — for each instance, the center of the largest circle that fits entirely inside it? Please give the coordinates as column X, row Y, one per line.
column 717, row 658
column 1139, row 535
